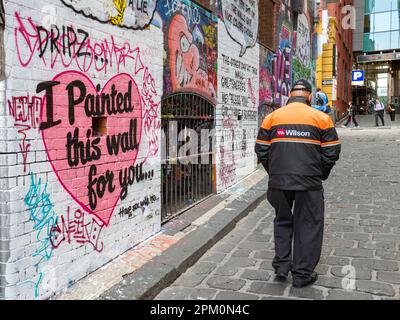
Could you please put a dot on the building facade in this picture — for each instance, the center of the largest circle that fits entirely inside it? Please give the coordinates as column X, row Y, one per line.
column 377, row 51
column 288, row 54
column 335, row 57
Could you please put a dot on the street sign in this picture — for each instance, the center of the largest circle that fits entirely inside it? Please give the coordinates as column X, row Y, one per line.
column 327, row 82
column 358, row 77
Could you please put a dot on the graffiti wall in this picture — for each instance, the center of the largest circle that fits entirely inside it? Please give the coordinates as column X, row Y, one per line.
column 266, row 93
column 282, row 79
column 190, row 34
column 82, row 115
column 237, row 110
column 302, row 50
column 132, row 14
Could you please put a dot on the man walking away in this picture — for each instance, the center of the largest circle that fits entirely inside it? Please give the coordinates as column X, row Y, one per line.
column 379, row 113
column 298, row 146
column 351, row 116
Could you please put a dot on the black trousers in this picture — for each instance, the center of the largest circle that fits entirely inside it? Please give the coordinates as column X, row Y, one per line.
column 380, row 114
column 349, row 119
column 299, row 221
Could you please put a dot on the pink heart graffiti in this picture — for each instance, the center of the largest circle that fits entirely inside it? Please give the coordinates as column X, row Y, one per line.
column 90, row 164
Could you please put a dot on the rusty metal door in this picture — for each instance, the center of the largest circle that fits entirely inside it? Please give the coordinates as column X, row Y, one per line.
column 185, row 182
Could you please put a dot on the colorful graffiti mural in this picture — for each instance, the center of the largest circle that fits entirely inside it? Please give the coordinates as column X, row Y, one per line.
column 266, row 92
column 302, row 50
column 266, row 76
column 283, row 65
column 87, row 122
column 191, row 48
column 133, row 14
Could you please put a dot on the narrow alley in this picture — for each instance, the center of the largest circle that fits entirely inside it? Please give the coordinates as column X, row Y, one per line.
column 361, row 256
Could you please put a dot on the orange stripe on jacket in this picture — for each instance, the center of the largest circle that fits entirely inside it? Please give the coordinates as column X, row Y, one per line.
column 300, row 140
column 264, row 142
column 298, row 114
column 331, row 143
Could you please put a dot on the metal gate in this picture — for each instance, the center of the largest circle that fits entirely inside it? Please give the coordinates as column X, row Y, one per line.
column 184, row 183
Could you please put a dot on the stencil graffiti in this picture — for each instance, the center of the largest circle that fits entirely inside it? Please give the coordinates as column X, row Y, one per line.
column 191, row 49
column 241, row 22
column 133, row 14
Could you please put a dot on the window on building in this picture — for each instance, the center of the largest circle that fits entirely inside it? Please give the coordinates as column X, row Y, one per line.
column 267, row 23
column 381, row 25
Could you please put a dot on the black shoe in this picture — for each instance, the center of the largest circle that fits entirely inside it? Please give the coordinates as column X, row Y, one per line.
column 280, row 277
column 305, row 283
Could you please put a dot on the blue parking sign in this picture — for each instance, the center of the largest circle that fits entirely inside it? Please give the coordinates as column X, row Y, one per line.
column 358, row 77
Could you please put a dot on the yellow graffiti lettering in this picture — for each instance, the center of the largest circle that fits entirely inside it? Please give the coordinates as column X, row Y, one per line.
column 120, row 5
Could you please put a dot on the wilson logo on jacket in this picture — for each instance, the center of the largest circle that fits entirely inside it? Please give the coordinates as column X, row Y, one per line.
column 281, row 133
column 292, row 133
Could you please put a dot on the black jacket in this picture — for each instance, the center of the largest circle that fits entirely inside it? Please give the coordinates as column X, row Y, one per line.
column 298, row 146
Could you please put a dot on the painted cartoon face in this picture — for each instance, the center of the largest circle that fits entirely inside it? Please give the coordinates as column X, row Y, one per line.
column 184, row 54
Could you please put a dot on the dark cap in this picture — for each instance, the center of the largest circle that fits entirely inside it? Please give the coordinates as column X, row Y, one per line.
column 302, row 85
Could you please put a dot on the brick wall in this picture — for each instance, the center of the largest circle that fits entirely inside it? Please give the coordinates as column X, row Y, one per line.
column 74, row 161
column 237, row 110
column 80, row 132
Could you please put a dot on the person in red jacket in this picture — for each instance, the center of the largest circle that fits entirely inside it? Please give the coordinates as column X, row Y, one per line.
column 298, row 146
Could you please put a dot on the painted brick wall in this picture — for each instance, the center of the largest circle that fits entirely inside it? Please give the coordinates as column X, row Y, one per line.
column 237, row 110
column 80, row 146
column 67, row 156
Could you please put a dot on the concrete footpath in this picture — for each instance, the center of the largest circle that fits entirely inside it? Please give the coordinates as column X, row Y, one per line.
column 144, row 271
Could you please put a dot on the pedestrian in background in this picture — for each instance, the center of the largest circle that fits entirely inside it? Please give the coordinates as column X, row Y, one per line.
column 392, row 112
column 298, row 146
column 379, row 110
column 351, row 116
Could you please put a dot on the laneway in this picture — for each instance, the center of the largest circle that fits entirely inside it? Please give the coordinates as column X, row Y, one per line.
column 362, row 238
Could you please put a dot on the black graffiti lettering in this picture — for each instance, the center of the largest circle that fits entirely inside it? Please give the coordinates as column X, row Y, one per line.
column 123, row 142
column 112, row 104
column 141, row 5
column 72, row 102
column 97, row 187
column 42, row 50
column 48, row 87
column 83, row 42
column 54, row 39
column 128, row 177
column 71, row 41
column 78, row 151
column 72, row 152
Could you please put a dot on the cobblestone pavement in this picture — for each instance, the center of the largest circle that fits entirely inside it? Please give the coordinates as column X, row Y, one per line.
column 361, row 253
